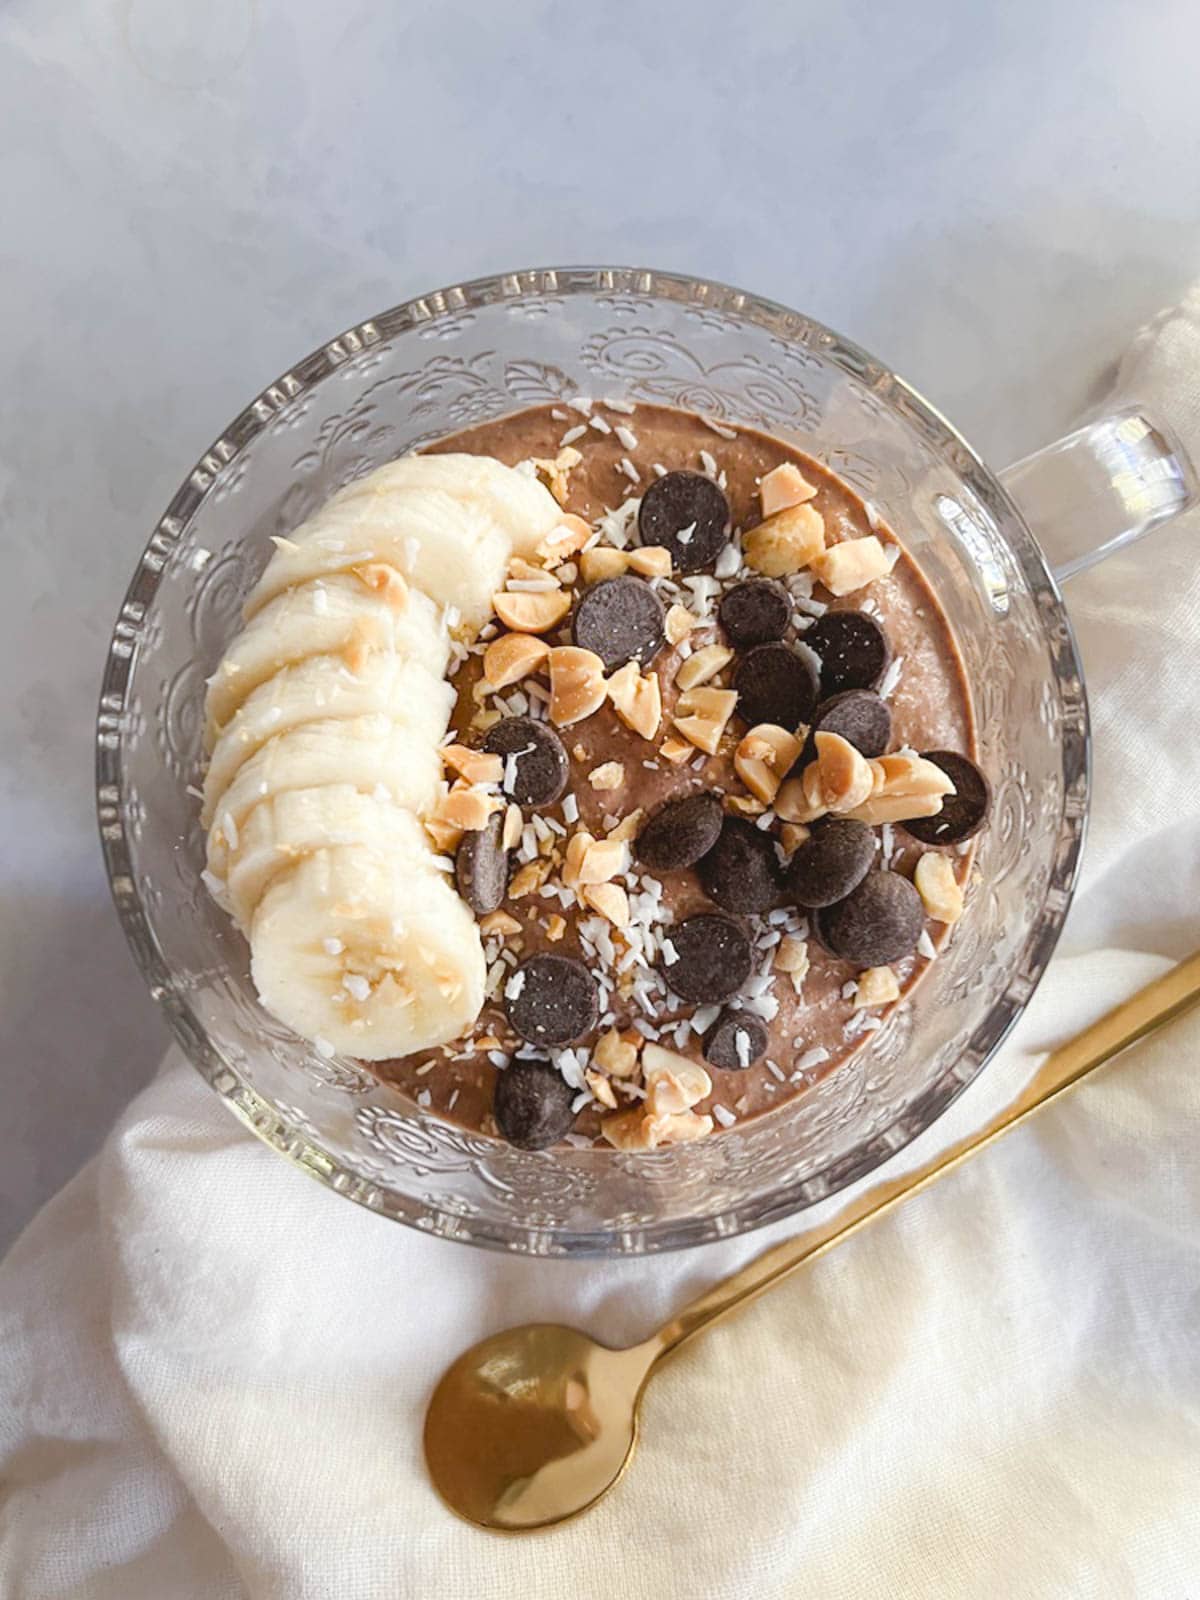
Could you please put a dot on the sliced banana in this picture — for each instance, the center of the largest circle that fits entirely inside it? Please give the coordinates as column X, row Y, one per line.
column 450, row 524
column 324, row 689
column 519, row 503
column 324, row 722
column 372, row 754
column 367, row 954
column 286, row 827
column 340, row 615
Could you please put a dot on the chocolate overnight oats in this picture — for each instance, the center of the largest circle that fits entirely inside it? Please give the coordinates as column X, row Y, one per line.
column 600, row 774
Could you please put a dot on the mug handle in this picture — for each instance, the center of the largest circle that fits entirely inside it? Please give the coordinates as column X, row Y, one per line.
column 1100, row 488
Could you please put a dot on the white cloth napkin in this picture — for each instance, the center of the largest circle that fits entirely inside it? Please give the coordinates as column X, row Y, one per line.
column 213, row 1372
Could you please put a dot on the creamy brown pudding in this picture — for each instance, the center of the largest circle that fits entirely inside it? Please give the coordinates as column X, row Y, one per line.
column 703, row 669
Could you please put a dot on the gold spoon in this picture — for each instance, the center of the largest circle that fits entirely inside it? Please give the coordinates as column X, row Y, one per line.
column 533, row 1425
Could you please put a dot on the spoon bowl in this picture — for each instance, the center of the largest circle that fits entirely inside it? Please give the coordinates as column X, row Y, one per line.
column 533, row 1425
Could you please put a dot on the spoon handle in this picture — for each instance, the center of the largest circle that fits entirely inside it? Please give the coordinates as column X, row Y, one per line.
column 1151, row 1007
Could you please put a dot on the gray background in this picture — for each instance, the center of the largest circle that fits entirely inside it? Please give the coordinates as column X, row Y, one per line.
column 194, row 192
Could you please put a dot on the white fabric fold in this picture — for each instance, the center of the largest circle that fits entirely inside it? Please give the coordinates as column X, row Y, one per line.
column 213, row 1372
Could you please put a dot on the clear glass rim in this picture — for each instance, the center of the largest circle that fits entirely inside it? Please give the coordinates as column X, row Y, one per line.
column 322, row 364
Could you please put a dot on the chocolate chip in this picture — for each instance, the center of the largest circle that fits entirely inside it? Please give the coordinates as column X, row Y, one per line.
column 711, row 958
column 620, row 619
column 775, row 683
column 754, row 612
column 689, row 515
column 741, row 871
column 551, row 1000
column 532, row 1104
column 878, row 923
column 541, row 760
column 481, row 866
column 831, row 862
column 853, row 648
column 859, row 715
column 964, row 812
column 679, row 832
column 735, row 1040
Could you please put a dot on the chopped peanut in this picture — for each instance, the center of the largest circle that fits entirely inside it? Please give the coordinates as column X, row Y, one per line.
column 784, row 486
column 940, row 891
column 566, row 540
column 385, row 580
column 364, row 637
column 674, row 750
column 701, row 715
column 500, row 923
column 911, row 775
column 514, row 821
column 577, row 845
column 467, row 807
column 609, row 776
column 673, row 1082
column 877, row 986
column 617, row 1054
column 601, row 1089
column 685, row 1127
column 627, row 828
column 792, row 835
column 679, row 624
column 602, row 561
column 762, row 759
column 610, row 900
column 745, row 805
column 556, row 926
column 524, row 572
column 651, row 561
column 577, row 686
column 476, row 766
column 704, row 664
column 634, row 1130
column 903, row 787
column 792, row 803
column 791, row 956
column 600, row 860
column 846, row 779
column 556, row 473
column 896, row 808
column 852, row 564
column 513, row 656
column 445, row 835
column 787, row 542
column 531, row 613
column 629, row 1130
column 529, row 878
column 637, row 699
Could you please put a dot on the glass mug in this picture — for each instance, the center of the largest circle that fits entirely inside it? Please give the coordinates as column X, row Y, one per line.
column 472, row 352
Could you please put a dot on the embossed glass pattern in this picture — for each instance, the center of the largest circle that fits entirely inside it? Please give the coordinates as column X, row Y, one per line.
column 457, row 357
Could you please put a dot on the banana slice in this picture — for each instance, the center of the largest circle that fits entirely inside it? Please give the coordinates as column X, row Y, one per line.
column 450, row 524
column 323, row 688
column 373, row 754
column 367, row 954
column 341, row 615
column 519, row 503
column 286, row 827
